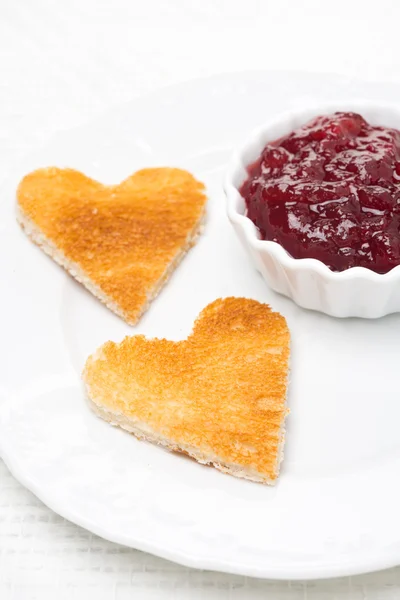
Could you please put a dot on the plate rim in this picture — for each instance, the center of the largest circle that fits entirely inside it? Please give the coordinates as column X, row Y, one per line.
column 188, row 559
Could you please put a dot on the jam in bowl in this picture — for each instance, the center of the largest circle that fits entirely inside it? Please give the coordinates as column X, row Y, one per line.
column 314, row 197
column 330, row 190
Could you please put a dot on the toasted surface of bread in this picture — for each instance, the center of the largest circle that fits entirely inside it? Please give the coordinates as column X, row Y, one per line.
column 121, row 241
column 219, row 395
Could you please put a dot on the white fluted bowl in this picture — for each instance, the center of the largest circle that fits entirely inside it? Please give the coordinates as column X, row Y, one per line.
column 356, row 292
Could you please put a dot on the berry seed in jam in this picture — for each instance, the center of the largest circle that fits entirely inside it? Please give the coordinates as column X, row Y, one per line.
column 330, row 190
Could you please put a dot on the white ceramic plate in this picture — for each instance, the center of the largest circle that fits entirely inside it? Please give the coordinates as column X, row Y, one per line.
column 335, row 508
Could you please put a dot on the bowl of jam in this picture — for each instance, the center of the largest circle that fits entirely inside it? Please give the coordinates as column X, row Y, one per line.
column 314, row 195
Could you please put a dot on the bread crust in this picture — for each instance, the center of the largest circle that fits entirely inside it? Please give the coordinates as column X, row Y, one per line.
column 218, row 396
column 121, row 242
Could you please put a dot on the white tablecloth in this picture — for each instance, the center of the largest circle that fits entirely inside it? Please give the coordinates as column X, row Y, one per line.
column 64, row 61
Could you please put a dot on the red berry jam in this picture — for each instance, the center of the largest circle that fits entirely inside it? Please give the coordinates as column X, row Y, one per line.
column 330, row 190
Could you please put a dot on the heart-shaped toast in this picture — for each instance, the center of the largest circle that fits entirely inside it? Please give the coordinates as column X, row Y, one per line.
column 121, row 241
column 219, row 395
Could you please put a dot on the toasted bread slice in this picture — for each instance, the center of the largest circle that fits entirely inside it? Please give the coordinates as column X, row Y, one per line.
column 218, row 396
column 122, row 242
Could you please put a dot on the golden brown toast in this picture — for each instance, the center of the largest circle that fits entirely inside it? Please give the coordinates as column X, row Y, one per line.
column 219, row 395
column 121, row 241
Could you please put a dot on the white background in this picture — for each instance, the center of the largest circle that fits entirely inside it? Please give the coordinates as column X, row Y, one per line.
column 62, row 62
